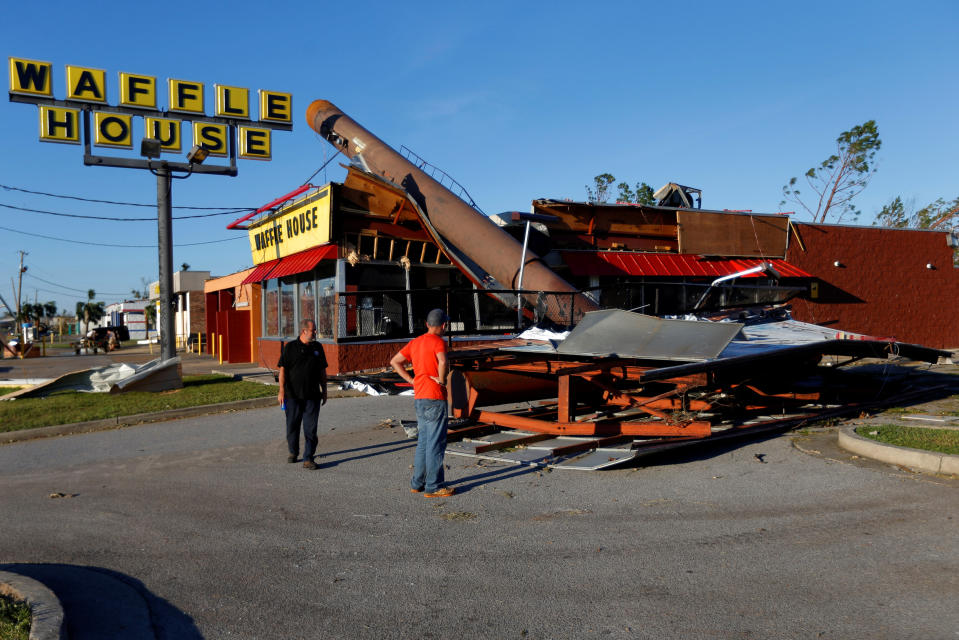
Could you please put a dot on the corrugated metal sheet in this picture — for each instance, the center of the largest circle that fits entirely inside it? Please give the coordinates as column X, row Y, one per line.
column 635, row 263
column 261, row 272
column 303, row 261
column 290, row 265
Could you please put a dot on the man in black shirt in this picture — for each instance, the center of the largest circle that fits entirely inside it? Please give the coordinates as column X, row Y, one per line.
column 302, row 391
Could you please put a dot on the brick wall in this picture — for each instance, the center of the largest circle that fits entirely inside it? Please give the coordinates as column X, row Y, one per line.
column 197, row 311
column 882, row 286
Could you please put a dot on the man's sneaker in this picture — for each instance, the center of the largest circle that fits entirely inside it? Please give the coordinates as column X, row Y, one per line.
column 291, row 458
column 309, row 464
column 445, row 492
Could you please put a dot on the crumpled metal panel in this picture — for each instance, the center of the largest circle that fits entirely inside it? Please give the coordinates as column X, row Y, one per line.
column 624, row 334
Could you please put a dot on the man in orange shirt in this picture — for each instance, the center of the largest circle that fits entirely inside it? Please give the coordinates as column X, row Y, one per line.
column 427, row 354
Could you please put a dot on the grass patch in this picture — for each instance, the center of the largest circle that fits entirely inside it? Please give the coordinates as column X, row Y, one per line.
column 938, row 440
column 5, row 390
column 15, row 619
column 73, row 406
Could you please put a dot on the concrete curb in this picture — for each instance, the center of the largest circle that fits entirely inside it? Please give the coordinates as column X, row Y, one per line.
column 46, row 621
column 927, row 461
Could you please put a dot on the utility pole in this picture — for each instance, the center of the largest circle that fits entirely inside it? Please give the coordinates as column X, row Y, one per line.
column 21, row 335
column 165, row 250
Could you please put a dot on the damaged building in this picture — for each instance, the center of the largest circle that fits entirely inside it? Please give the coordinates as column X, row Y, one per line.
column 366, row 259
column 672, row 323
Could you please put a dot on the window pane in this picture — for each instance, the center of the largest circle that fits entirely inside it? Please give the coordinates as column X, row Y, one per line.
column 287, row 320
column 271, row 304
column 307, row 301
column 326, row 310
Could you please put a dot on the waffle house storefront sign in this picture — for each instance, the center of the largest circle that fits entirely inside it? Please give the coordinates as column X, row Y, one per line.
column 303, row 225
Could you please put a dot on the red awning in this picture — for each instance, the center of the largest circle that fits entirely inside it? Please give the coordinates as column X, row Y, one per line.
column 290, row 265
column 261, row 272
column 635, row 263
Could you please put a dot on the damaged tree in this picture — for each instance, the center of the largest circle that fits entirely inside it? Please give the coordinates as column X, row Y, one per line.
column 840, row 177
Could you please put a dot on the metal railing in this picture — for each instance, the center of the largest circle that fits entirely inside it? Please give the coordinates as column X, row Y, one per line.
column 440, row 176
column 400, row 313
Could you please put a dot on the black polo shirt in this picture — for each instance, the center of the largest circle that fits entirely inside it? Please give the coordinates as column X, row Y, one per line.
column 305, row 365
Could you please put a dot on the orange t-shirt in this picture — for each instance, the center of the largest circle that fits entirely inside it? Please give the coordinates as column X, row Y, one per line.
column 421, row 352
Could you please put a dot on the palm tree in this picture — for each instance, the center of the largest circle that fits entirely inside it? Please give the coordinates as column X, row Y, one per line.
column 90, row 311
column 38, row 312
column 150, row 316
column 28, row 312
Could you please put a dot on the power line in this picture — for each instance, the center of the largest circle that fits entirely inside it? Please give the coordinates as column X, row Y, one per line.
column 63, row 286
column 121, row 246
column 307, row 181
column 128, row 204
column 115, row 219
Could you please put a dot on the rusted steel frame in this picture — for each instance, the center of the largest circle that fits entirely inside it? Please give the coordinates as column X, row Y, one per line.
column 592, row 428
column 566, row 396
column 565, row 399
column 472, row 400
column 545, row 365
column 521, row 440
column 590, row 444
column 674, row 404
column 477, row 361
column 615, row 396
column 804, row 397
column 693, row 428
column 462, row 432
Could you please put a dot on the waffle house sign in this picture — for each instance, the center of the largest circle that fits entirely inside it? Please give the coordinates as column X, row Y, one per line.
column 301, row 225
column 239, row 125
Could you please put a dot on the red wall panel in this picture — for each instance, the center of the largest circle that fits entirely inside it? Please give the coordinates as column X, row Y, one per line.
column 881, row 286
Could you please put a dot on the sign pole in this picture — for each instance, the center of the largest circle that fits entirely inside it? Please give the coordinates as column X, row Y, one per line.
column 165, row 250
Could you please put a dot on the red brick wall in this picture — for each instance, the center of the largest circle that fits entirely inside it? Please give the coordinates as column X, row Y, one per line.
column 882, row 286
column 197, row 311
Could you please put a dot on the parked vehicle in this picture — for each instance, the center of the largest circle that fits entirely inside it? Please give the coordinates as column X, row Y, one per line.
column 104, row 339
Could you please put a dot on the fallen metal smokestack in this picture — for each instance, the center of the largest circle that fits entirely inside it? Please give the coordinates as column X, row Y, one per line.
column 472, row 233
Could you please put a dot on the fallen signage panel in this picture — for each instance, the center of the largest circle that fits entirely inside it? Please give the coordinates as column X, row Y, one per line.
column 614, row 332
column 156, row 375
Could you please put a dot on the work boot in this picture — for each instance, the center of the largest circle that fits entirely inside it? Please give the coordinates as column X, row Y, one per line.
column 292, row 457
column 309, row 464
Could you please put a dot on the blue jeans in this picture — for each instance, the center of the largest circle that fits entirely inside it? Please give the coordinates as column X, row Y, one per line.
column 430, row 445
column 306, row 412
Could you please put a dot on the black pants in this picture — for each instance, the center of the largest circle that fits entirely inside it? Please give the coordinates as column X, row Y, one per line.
column 306, row 412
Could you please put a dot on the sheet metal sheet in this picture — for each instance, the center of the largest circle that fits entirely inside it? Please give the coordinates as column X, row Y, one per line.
column 617, row 333
column 597, row 459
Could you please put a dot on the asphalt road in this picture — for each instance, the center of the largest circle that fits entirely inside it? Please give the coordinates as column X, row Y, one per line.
column 227, row 540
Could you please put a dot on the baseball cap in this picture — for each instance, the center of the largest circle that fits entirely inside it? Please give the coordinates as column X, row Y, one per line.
column 436, row 317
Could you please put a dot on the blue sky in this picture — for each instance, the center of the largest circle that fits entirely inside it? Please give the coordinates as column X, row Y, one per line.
column 515, row 100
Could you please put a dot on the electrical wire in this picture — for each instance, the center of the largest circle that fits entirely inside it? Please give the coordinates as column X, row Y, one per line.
column 121, row 246
column 63, row 286
column 116, row 219
column 322, row 166
column 127, row 204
